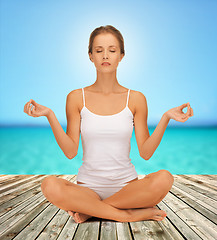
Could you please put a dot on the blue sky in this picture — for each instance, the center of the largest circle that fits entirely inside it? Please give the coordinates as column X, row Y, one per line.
column 170, row 55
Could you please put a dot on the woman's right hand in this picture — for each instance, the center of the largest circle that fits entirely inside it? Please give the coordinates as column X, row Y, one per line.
column 37, row 110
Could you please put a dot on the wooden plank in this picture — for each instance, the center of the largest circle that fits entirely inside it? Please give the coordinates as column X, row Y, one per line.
column 190, row 207
column 151, row 229
column 15, row 196
column 33, row 229
column 68, row 230
column 73, row 179
column 21, row 194
column 14, row 191
column 11, row 178
column 191, row 223
column 87, row 230
column 15, row 225
column 181, row 227
column 212, row 176
column 123, row 231
column 169, row 228
column 3, row 175
column 197, row 201
column 53, row 228
column 13, row 184
column 205, row 180
column 190, row 193
column 140, row 176
column 204, row 190
column 108, row 230
column 187, row 194
column 19, row 217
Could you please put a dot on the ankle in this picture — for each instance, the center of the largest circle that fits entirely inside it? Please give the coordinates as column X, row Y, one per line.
column 125, row 216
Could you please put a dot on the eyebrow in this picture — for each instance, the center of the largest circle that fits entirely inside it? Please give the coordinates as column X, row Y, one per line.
column 101, row 46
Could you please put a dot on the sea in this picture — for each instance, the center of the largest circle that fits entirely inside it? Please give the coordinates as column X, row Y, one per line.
column 34, row 150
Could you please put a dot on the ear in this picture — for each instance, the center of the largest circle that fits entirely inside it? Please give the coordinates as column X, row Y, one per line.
column 122, row 55
column 90, row 56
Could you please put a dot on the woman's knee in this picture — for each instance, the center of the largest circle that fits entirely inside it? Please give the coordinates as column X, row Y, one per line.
column 163, row 180
column 166, row 175
column 51, row 187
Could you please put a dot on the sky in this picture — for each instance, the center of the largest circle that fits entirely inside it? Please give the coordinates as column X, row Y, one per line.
column 170, row 55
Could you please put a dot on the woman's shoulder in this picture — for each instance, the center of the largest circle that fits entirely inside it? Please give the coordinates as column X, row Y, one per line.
column 137, row 94
column 75, row 96
column 75, row 92
column 138, row 99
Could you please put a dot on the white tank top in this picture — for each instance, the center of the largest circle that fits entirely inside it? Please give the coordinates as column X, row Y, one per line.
column 106, row 147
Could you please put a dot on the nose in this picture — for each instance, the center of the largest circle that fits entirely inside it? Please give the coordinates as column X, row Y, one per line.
column 105, row 56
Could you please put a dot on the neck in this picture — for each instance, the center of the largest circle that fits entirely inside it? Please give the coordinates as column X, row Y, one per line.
column 106, row 83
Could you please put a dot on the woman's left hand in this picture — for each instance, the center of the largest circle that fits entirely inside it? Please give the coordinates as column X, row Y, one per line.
column 177, row 113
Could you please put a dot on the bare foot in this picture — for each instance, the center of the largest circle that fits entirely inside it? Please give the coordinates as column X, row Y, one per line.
column 79, row 217
column 137, row 214
column 140, row 214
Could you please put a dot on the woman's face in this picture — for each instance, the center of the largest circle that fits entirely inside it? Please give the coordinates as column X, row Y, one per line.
column 106, row 49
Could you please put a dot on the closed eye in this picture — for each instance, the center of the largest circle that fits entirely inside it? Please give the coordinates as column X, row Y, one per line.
column 101, row 51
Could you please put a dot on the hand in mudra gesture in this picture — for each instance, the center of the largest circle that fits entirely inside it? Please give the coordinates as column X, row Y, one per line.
column 37, row 110
column 177, row 113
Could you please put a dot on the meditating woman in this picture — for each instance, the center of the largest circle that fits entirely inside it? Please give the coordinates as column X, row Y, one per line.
column 105, row 114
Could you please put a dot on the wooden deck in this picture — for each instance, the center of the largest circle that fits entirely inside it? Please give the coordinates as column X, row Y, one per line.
column 191, row 207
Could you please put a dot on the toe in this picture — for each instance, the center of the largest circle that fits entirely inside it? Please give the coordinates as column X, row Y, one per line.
column 71, row 213
column 162, row 213
column 77, row 217
column 159, row 218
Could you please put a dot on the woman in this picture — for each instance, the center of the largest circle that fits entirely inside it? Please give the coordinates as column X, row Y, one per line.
column 105, row 114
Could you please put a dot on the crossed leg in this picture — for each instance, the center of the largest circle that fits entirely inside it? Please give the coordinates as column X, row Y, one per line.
column 143, row 193
column 71, row 197
column 80, row 217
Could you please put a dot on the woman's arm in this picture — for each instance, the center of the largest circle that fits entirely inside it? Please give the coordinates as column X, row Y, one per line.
column 65, row 142
column 177, row 114
column 68, row 146
column 152, row 142
column 148, row 144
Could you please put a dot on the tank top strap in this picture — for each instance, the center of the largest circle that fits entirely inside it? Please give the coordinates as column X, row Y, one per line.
column 83, row 96
column 128, row 97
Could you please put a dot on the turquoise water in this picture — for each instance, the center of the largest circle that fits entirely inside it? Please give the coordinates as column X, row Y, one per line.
column 35, row 151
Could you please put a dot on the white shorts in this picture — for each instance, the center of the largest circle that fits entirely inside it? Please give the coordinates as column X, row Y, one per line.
column 104, row 191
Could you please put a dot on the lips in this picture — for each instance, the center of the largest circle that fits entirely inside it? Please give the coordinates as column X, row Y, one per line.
column 106, row 64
